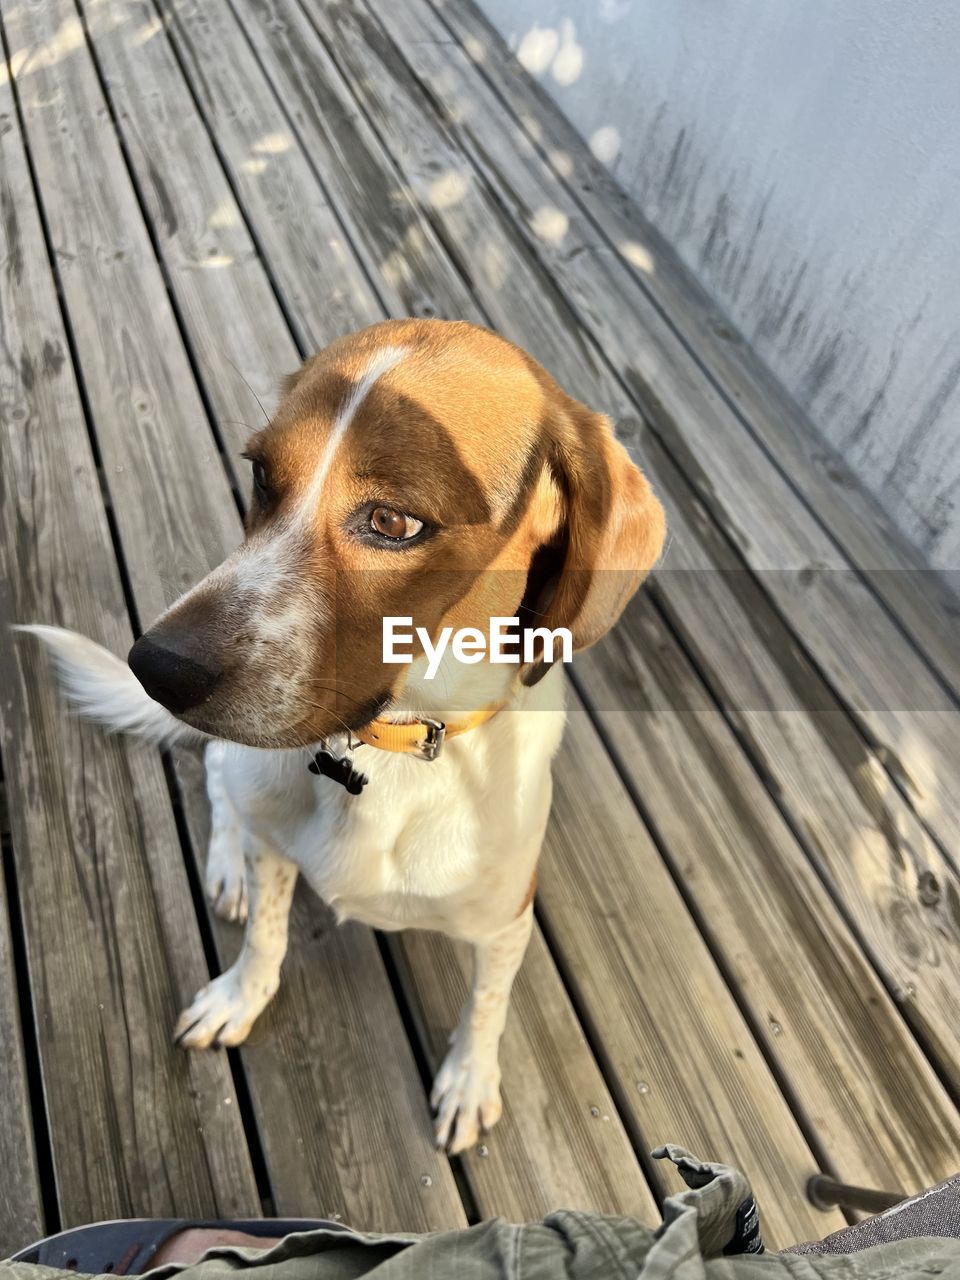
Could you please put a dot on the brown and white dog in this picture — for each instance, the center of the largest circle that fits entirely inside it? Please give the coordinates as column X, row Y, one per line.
column 418, row 469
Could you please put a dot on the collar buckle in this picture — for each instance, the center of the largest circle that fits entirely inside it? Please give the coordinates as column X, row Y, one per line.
column 432, row 743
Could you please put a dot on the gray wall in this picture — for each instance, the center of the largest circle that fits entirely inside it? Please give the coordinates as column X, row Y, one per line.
column 804, row 158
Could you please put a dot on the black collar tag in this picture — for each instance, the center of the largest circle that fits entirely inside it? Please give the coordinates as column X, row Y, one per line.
column 340, row 770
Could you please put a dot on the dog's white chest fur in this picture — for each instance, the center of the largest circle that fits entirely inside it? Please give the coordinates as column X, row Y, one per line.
column 437, row 845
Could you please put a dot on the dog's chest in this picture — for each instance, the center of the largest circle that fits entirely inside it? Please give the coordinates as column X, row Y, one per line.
column 444, row 846
column 417, row 848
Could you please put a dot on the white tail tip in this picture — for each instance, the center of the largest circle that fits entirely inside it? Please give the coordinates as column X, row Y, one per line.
column 103, row 688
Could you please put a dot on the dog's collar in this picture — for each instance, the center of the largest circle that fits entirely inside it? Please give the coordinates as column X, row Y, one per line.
column 423, row 738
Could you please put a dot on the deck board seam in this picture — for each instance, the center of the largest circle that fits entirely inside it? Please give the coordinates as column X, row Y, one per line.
column 39, row 1121
column 870, row 742
column 356, row 246
column 417, row 1036
column 68, row 330
column 238, row 1072
column 169, row 24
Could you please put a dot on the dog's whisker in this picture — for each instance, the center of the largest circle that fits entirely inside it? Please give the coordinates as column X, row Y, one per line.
column 339, row 719
column 248, row 386
column 337, row 692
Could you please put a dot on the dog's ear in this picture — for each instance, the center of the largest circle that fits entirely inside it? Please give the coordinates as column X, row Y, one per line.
column 611, row 533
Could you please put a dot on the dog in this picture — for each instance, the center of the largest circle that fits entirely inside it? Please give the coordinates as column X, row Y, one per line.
column 433, row 472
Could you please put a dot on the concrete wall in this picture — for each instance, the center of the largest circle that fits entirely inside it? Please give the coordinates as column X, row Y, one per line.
column 804, row 158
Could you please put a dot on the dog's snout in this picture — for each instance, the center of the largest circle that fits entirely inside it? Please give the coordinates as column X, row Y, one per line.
column 176, row 681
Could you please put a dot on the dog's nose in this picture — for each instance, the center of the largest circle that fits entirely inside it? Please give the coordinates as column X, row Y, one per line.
column 171, row 678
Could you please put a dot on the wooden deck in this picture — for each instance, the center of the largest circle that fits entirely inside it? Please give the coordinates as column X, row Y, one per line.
column 749, row 915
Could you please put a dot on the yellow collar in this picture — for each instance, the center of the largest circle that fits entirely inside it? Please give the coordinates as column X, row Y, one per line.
column 423, row 738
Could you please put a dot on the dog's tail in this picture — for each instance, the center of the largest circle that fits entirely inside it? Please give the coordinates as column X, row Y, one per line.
column 103, row 688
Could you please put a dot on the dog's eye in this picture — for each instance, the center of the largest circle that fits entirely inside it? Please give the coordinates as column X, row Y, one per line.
column 393, row 524
column 261, row 484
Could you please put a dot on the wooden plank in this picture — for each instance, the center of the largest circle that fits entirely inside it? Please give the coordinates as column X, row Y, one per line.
column 924, row 601
column 561, row 1143
column 400, row 251
column 21, row 1210
column 686, row 1067
column 825, row 1019
column 176, row 517
column 750, row 660
column 530, row 1180
column 883, row 681
column 252, row 158
column 112, row 940
column 894, row 884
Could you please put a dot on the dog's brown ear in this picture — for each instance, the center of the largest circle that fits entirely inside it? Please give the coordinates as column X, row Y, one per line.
column 613, row 531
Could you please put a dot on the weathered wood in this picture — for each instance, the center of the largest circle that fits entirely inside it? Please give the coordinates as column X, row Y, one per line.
column 21, row 1211
column 167, row 485
column 402, row 254
column 257, row 336
column 892, row 881
column 561, row 1143
column 808, row 738
column 825, row 1018
column 880, row 677
column 685, row 1066
column 924, row 601
column 112, row 941
column 198, row 222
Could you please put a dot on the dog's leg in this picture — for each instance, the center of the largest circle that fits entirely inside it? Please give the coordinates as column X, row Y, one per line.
column 225, row 1010
column 466, row 1092
column 226, row 880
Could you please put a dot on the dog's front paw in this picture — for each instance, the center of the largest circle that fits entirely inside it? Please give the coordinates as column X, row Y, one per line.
column 465, row 1096
column 226, row 878
column 223, row 1012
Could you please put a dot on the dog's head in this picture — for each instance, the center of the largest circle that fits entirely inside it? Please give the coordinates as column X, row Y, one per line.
column 417, row 469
